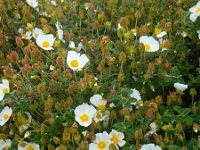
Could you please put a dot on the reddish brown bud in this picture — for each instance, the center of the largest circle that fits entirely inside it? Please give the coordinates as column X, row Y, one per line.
column 51, row 84
column 69, row 101
column 68, row 36
column 68, row 75
column 149, row 114
column 59, row 61
column 96, row 24
column 51, row 121
column 151, row 66
column 36, row 52
column 81, row 14
column 138, row 134
column 41, row 89
column 55, row 74
column 14, row 56
column 168, row 65
column 8, row 70
column 19, row 42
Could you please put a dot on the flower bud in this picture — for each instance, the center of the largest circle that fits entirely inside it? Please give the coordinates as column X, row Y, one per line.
column 122, row 57
column 66, row 136
column 14, row 56
column 41, row 89
column 121, row 76
column 59, row 61
column 196, row 128
column 113, row 115
column 51, row 121
column 68, row 75
column 158, row 100
column 179, row 127
column 193, row 92
column 77, row 138
column 81, row 14
column 43, row 21
column 19, row 42
column 56, row 140
column 149, row 114
column 96, row 24
column 138, row 134
column 124, row 111
column 138, row 14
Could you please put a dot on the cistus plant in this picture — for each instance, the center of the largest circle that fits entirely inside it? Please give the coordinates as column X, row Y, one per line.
column 99, row 74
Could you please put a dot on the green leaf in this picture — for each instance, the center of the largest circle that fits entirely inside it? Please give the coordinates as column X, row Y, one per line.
column 177, row 109
column 185, row 111
column 174, row 147
column 170, row 118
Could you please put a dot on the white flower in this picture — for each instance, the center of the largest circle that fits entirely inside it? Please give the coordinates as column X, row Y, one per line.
column 72, row 45
column 117, row 138
column 162, row 44
column 36, row 32
column 21, row 30
column 98, row 101
column 101, row 142
column 5, row 144
column 112, row 105
column 119, row 26
column 4, row 88
column 99, row 116
column 150, row 147
column 195, row 12
column 84, row 114
column 27, row 35
column 45, row 41
column 75, row 61
column 29, row 120
column 5, row 115
column 80, row 46
column 136, row 94
column 29, row 146
column 32, row 3
column 60, row 32
column 150, row 44
column 198, row 34
column 159, row 33
column 96, row 79
column 180, row 86
column 54, row 2
column 153, row 130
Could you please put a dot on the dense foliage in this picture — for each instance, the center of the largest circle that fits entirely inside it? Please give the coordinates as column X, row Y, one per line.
column 99, row 74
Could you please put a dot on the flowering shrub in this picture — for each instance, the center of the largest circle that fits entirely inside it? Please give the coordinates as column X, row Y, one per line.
column 99, row 75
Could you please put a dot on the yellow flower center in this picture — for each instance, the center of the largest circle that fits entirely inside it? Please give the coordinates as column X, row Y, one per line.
column 147, row 47
column 25, row 36
column 36, row 36
column 5, row 116
column 101, row 107
column 115, row 139
column 74, row 63
column 157, row 31
column 84, row 118
column 101, row 145
column 30, row 147
column 162, row 45
column 5, row 90
column 198, row 10
column 99, row 116
column 45, row 44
